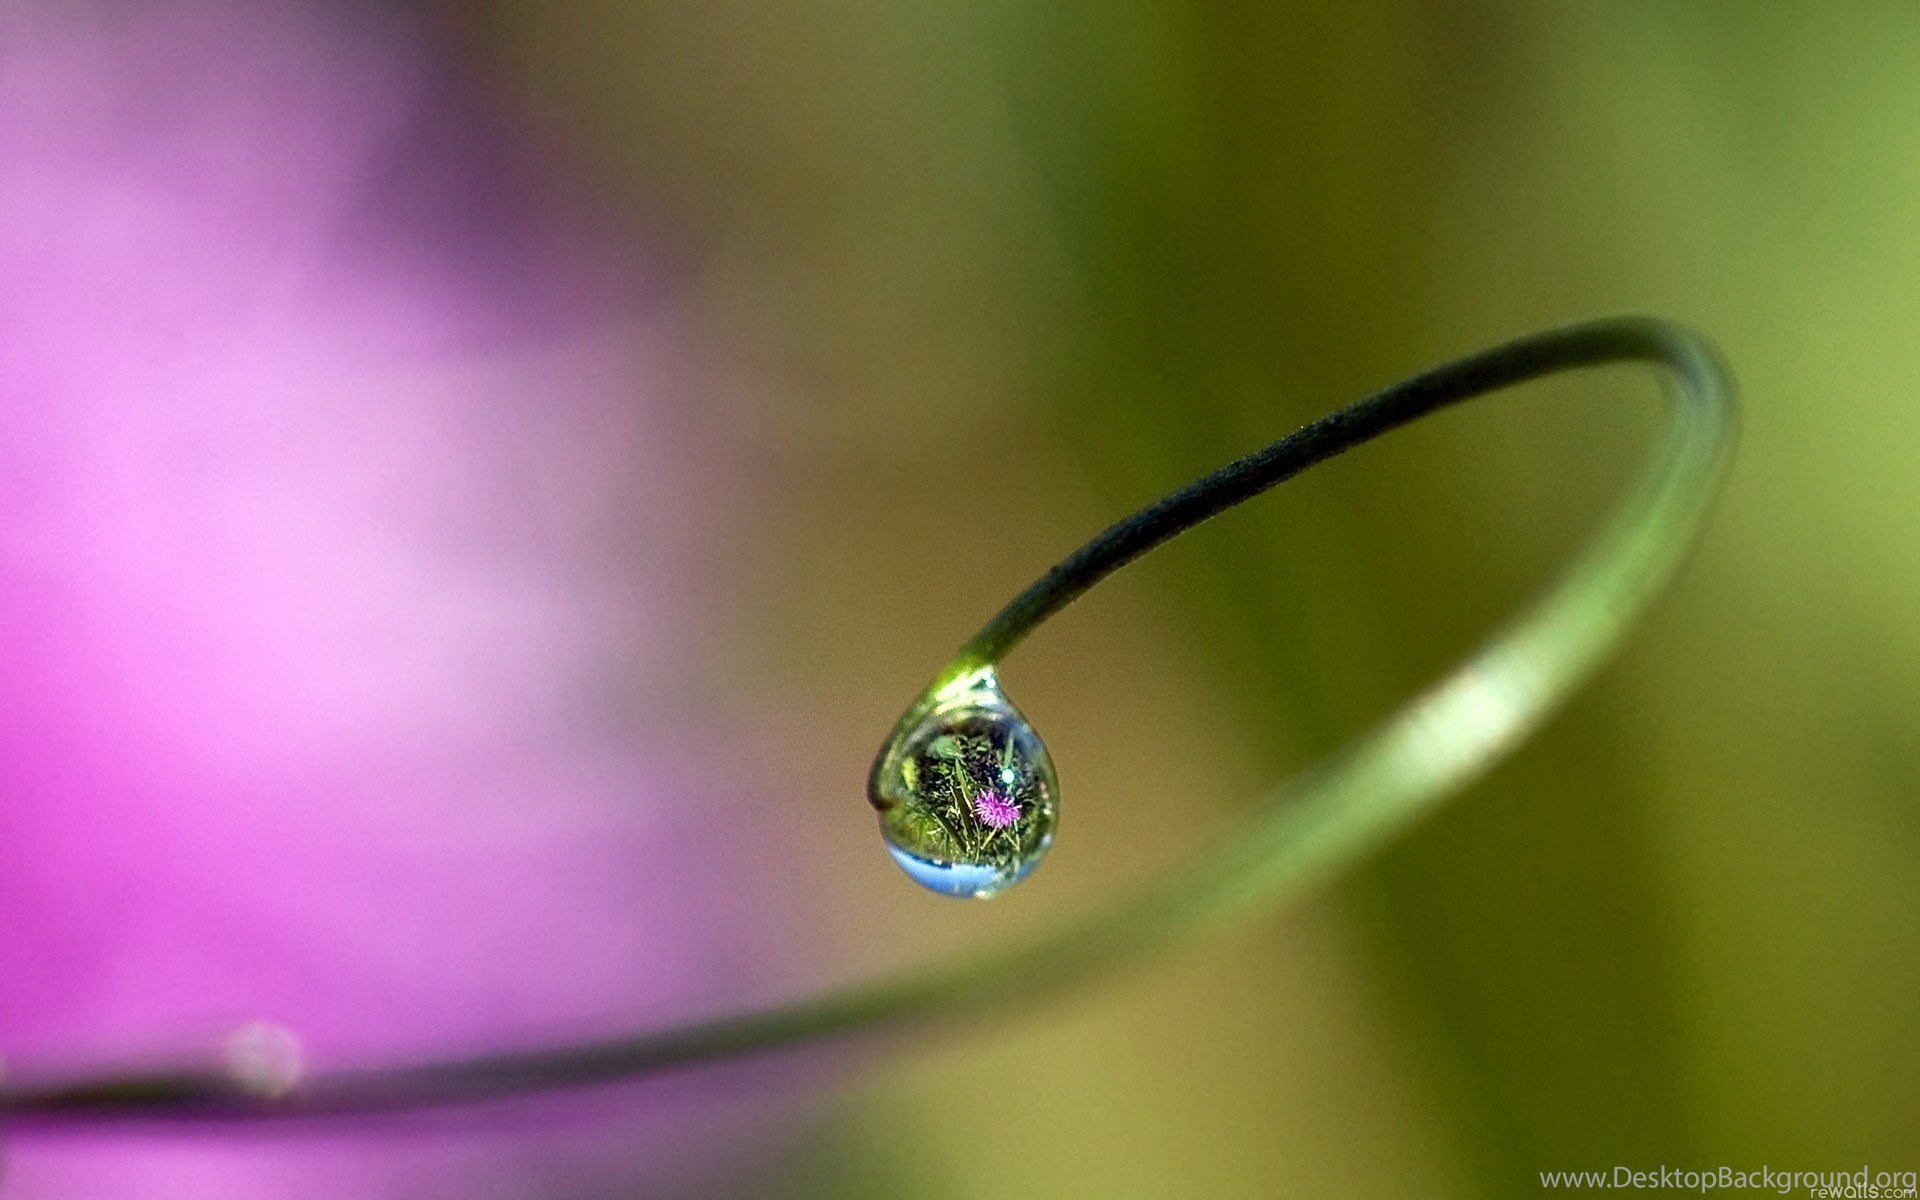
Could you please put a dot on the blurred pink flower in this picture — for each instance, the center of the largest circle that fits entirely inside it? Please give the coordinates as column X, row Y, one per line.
column 347, row 571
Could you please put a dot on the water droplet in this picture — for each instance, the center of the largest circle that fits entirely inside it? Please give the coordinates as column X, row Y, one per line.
column 264, row 1058
column 966, row 792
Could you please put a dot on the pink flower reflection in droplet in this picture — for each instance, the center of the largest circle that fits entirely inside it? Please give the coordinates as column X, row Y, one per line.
column 995, row 810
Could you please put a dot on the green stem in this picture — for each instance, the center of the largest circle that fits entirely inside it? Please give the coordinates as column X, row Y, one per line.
column 1316, row 825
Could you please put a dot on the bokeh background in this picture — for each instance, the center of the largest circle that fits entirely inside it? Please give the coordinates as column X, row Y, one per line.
column 955, row 285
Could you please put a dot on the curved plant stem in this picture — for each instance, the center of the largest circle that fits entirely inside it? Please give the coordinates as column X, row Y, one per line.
column 1315, row 825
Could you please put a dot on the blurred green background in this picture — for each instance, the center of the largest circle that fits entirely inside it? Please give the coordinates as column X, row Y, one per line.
column 976, row 279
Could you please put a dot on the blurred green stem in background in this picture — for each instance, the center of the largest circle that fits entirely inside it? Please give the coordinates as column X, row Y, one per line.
column 1322, row 822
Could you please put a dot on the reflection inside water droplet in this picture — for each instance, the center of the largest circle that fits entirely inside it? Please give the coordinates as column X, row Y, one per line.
column 966, row 794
